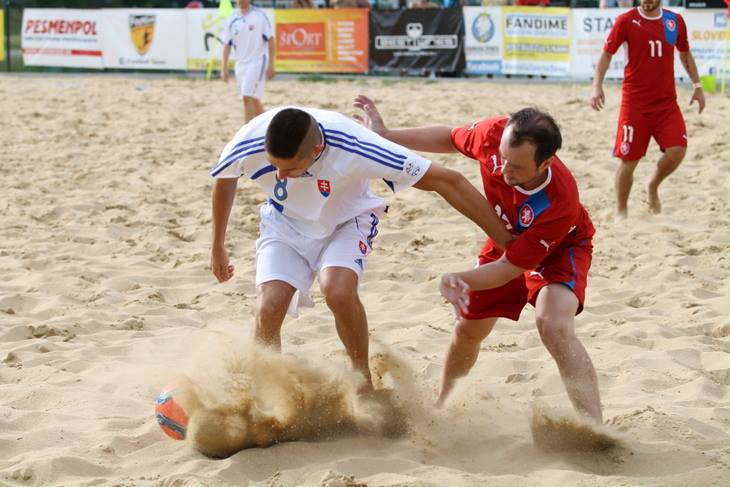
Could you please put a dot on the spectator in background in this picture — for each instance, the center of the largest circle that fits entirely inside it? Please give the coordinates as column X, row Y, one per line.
column 303, row 4
column 349, row 4
column 532, row 3
column 424, row 4
column 616, row 3
column 497, row 3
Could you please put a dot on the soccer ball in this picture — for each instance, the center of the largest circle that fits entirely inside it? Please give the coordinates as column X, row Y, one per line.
column 171, row 417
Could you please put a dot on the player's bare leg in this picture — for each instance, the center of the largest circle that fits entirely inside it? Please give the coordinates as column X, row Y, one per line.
column 252, row 107
column 623, row 182
column 339, row 287
column 272, row 301
column 555, row 313
column 463, row 352
column 667, row 164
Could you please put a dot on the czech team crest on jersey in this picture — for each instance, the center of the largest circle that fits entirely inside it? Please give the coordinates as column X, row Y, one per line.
column 671, row 25
column 526, row 215
column 324, row 187
column 142, row 30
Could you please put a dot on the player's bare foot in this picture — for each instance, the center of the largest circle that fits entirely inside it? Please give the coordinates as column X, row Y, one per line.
column 620, row 215
column 652, row 199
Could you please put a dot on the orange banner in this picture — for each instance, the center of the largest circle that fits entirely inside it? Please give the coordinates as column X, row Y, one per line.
column 322, row 40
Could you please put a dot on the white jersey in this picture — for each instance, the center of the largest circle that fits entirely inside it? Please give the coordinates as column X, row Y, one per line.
column 336, row 187
column 249, row 35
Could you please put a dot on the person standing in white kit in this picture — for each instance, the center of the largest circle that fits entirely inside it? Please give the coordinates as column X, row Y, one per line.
column 249, row 33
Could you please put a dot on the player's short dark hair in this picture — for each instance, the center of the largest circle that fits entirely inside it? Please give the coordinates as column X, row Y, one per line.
column 538, row 128
column 286, row 132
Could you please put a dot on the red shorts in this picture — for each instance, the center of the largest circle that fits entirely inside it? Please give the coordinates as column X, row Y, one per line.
column 567, row 264
column 636, row 128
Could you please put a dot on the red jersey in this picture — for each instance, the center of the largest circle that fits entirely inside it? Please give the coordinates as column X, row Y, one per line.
column 542, row 218
column 649, row 73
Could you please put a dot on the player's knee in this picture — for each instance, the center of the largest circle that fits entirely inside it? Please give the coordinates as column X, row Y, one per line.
column 337, row 294
column 676, row 154
column 554, row 332
column 469, row 332
column 271, row 309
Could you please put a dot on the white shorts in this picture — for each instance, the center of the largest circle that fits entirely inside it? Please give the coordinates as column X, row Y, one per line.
column 251, row 78
column 283, row 254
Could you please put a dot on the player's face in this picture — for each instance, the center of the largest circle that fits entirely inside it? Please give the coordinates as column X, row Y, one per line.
column 518, row 163
column 244, row 4
column 650, row 6
column 296, row 166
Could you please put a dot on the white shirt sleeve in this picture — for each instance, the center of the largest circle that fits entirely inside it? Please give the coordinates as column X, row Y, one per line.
column 237, row 154
column 376, row 157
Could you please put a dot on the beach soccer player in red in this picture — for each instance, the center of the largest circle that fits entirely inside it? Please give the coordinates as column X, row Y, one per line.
column 546, row 264
column 648, row 96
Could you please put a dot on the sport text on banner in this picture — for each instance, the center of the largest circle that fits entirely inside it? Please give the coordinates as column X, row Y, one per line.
column 61, row 37
column 322, row 40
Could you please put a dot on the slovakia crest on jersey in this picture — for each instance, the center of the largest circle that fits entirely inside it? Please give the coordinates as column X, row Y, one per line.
column 324, row 187
column 363, row 247
column 526, row 215
column 671, row 25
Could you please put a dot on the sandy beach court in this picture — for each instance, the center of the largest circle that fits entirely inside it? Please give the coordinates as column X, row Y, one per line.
column 105, row 295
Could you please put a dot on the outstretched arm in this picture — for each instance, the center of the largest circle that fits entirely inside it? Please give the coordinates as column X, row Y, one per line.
column 460, row 194
column 224, row 192
column 434, row 138
column 688, row 61
column 598, row 98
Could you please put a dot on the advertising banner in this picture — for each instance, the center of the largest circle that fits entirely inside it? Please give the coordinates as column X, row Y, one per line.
column 590, row 29
column 204, row 37
column 145, row 38
column 322, row 40
column 708, row 33
column 536, row 40
column 417, row 41
column 483, row 40
column 61, row 37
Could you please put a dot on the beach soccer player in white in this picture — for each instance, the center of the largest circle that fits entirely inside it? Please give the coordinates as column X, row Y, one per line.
column 248, row 31
column 321, row 217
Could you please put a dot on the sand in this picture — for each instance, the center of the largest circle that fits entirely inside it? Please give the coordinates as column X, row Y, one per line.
column 105, row 296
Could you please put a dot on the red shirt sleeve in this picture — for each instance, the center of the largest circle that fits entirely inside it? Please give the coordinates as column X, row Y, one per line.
column 682, row 40
column 617, row 36
column 544, row 235
column 473, row 140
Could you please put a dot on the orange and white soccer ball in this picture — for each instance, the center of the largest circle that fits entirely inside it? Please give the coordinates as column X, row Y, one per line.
column 170, row 415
